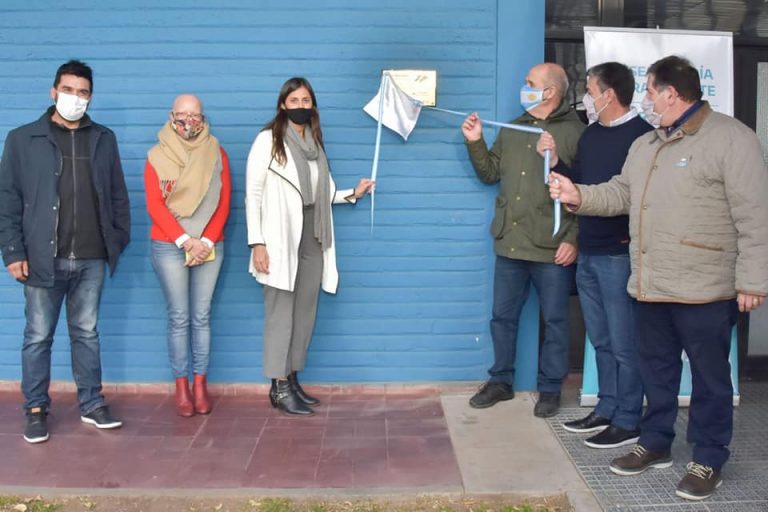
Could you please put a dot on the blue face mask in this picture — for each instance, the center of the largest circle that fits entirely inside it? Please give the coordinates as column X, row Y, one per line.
column 530, row 97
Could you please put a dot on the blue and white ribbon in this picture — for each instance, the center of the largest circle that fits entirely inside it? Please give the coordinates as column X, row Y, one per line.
column 556, row 227
column 388, row 86
column 520, row 128
column 375, row 164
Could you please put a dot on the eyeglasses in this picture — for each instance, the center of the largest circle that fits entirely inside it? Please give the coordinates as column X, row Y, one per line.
column 194, row 116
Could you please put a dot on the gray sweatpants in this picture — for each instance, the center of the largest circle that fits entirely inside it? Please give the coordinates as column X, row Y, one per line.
column 289, row 317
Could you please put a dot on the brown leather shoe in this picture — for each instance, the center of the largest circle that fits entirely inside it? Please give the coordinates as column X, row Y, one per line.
column 184, row 405
column 699, row 483
column 200, row 391
column 639, row 460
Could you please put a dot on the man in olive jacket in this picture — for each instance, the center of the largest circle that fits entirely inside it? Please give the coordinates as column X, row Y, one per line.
column 526, row 251
column 64, row 215
column 695, row 190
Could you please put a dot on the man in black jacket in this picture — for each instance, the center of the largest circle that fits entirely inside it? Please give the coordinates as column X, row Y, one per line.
column 64, row 213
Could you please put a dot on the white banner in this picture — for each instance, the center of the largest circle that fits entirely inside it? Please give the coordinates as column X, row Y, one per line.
column 711, row 53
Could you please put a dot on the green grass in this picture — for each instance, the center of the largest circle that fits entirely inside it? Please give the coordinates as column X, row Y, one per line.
column 274, row 505
column 416, row 505
column 8, row 503
column 337, row 504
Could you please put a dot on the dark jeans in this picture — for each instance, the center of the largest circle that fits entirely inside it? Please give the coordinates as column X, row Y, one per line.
column 704, row 332
column 511, row 284
column 81, row 282
column 609, row 318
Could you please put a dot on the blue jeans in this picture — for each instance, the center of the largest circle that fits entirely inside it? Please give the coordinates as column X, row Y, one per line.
column 664, row 330
column 511, row 284
column 609, row 318
column 81, row 282
column 188, row 293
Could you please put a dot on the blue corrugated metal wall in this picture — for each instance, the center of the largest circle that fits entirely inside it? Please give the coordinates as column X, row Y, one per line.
column 414, row 299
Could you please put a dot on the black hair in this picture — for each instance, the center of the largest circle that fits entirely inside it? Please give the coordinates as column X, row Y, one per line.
column 74, row 67
column 279, row 123
column 680, row 74
column 616, row 76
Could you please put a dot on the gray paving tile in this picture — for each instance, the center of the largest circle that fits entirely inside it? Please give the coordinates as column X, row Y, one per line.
column 745, row 477
column 742, row 506
column 684, row 507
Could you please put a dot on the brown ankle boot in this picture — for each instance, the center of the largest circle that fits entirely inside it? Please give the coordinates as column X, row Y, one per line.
column 184, row 405
column 200, row 391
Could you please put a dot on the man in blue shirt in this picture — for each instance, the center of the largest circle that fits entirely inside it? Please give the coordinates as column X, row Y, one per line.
column 603, row 265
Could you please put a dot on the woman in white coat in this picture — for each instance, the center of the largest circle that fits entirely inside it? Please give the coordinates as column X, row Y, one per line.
column 289, row 193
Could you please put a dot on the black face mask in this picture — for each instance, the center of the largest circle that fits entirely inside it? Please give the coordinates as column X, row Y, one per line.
column 299, row 115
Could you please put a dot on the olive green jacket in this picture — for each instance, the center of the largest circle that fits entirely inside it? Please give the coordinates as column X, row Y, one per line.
column 522, row 226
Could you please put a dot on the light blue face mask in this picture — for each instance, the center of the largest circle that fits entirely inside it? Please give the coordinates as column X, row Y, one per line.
column 530, row 97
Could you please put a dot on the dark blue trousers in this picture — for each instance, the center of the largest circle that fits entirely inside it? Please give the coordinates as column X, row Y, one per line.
column 511, row 284
column 664, row 330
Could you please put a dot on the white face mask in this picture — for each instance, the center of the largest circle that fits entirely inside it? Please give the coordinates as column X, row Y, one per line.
column 593, row 115
column 649, row 112
column 70, row 107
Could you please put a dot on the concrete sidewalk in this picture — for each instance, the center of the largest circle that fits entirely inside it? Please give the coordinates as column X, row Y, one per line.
column 506, row 449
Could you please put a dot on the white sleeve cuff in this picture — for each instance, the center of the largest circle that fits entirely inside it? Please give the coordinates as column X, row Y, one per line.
column 207, row 242
column 180, row 241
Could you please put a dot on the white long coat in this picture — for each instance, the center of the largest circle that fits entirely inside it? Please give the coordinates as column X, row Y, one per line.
column 274, row 212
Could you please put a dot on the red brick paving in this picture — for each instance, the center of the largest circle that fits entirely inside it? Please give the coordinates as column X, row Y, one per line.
column 359, row 438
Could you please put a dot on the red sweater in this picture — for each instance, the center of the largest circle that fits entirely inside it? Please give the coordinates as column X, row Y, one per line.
column 165, row 227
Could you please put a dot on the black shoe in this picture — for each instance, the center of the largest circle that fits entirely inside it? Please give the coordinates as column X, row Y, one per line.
column 490, row 394
column 699, row 483
column 547, row 406
column 36, row 430
column 101, row 418
column 288, row 402
column 273, row 393
column 587, row 424
column 638, row 460
column 303, row 396
column 613, row 437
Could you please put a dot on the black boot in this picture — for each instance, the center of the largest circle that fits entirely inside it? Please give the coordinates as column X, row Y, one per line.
column 273, row 393
column 293, row 378
column 288, row 402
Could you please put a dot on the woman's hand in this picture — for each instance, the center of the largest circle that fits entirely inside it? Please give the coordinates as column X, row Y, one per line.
column 260, row 258
column 194, row 262
column 197, row 249
column 364, row 187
